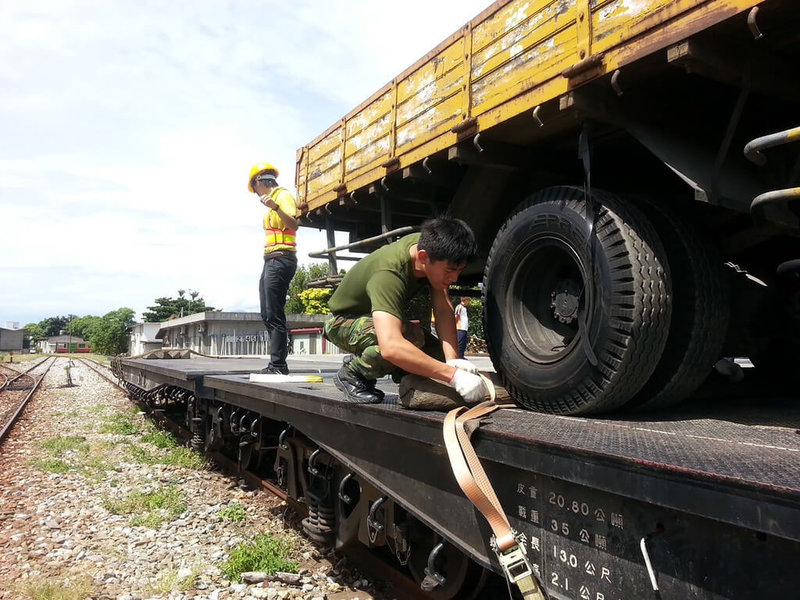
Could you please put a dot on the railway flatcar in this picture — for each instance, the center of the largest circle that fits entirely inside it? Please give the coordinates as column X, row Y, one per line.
column 701, row 503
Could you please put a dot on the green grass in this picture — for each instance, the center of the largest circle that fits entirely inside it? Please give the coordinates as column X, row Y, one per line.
column 18, row 358
column 160, row 439
column 51, row 465
column 141, row 455
column 264, row 553
column 233, row 512
column 56, row 448
column 179, row 456
column 59, row 445
column 170, row 581
column 186, row 458
column 149, row 509
column 73, row 453
column 77, row 589
column 122, row 424
column 95, row 464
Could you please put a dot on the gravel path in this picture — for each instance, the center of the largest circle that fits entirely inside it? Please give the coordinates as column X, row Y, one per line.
column 79, row 449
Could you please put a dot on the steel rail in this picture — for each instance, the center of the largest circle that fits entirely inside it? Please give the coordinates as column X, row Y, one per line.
column 12, row 421
column 98, row 369
column 18, row 374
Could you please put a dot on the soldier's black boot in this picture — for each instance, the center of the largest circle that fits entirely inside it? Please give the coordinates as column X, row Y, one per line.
column 371, row 383
column 355, row 387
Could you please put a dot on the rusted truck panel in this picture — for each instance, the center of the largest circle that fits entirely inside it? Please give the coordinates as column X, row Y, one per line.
column 512, row 57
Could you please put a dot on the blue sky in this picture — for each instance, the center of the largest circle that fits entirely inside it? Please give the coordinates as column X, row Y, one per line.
column 127, row 130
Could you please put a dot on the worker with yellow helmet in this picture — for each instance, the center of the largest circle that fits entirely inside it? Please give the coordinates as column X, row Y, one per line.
column 280, row 259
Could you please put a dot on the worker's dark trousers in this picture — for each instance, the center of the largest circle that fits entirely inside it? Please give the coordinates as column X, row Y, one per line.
column 273, row 285
column 463, row 338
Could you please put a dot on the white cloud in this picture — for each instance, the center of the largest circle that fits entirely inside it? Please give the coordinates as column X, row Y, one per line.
column 129, row 128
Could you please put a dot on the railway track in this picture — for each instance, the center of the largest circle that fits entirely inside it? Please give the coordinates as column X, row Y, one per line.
column 102, row 370
column 17, row 388
column 70, row 454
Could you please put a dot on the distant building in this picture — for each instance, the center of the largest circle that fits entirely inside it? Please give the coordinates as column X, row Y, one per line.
column 61, row 344
column 11, row 340
column 143, row 338
column 242, row 334
column 309, row 340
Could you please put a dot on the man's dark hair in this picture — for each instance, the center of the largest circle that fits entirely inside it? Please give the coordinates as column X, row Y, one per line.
column 445, row 238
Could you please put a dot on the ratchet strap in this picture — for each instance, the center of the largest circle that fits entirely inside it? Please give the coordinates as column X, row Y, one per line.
column 471, row 477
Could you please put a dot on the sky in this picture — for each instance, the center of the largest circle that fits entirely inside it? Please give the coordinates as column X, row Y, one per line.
column 128, row 128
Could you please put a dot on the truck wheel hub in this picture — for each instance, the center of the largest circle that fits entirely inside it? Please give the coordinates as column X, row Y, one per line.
column 564, row 301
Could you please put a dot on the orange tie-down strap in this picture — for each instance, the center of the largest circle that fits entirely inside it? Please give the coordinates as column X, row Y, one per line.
column 475, row 484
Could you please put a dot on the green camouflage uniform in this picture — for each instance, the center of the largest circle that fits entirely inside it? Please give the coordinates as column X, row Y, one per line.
column 357, row 335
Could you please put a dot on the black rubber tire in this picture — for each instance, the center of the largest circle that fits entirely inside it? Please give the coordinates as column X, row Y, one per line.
column 621, row 281
column 700, row 311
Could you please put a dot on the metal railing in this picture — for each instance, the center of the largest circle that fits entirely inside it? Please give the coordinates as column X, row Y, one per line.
column 754, row 152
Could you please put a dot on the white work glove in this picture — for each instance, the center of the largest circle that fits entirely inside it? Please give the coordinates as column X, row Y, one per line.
column 468, row 385
column 460, row 363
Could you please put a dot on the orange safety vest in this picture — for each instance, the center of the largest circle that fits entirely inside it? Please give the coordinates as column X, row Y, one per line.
column 278, row 238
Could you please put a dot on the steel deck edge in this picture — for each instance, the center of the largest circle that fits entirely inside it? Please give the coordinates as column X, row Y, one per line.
column 760, row 508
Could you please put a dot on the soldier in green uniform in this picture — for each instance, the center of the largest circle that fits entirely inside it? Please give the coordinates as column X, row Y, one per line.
column 369, row 313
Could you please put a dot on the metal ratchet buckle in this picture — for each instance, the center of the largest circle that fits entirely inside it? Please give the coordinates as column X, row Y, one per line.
column 514, row 561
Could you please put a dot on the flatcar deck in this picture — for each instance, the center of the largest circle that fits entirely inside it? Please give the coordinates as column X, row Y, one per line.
column 723, row 460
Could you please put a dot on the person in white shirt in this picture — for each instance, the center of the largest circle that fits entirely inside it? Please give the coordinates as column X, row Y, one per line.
column 462, row 325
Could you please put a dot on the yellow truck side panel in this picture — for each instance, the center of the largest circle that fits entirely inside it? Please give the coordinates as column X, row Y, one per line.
column 324, row 163
column 615, row 21
column 514, row 55
column 368, row 134
column 535, row 43
column 430, row 99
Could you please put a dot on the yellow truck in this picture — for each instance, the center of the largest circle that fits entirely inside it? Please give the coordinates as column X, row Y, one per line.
column 627, row 168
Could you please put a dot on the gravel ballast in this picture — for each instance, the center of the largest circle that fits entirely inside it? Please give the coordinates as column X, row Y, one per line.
column 78, row 453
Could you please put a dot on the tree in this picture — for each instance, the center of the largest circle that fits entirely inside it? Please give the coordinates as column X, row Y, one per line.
column 83, row 327
column 475, row 314
column 315, row 300
column 55, row 325
column 110, row 334
column 34, row 332
column 304, row 274
column 168, row 308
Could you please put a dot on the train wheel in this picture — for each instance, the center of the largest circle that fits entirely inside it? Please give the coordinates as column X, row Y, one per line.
column 700, row 311
column 577, row 302
column 463, row 577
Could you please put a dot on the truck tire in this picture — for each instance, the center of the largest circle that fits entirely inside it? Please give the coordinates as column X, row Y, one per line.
column 700, row 311
column 576, row 302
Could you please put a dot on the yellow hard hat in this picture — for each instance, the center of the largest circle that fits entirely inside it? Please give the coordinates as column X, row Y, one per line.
column 256, row 170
